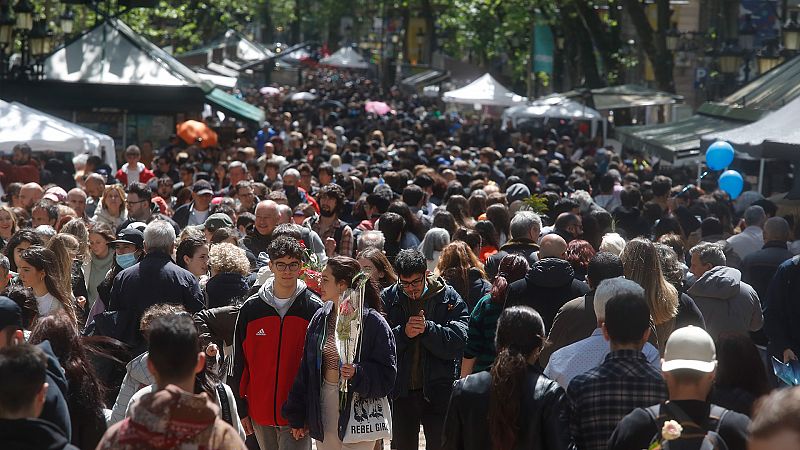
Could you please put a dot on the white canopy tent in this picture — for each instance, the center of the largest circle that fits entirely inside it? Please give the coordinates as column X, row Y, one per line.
column 345, row 58
column 555, row 107
column 20, row 124
column 485, row 91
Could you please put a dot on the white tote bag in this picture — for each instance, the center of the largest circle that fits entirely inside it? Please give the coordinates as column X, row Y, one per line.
column 370, row 420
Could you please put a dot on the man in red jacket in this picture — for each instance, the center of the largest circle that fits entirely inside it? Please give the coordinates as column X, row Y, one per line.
column 268, row 346
column 133, row 171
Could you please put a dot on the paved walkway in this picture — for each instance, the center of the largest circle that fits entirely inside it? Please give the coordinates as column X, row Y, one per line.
column 386, row 444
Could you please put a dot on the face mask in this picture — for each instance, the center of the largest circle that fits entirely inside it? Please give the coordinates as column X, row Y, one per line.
column 126, row 260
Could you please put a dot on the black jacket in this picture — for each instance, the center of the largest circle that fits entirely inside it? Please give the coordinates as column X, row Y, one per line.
column 55, row 409
column 759, row 267
column 549, row 284
column 156, row 279
column 257, row 242
column 32, row 434
column 541, row 416
column 441, row 345
column 524, row 247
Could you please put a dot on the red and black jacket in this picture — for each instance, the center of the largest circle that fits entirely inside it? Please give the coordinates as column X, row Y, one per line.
column 267, row 353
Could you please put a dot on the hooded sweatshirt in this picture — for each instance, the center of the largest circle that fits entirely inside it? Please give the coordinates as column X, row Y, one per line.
column 137, row 376
column 549, row 284
column 282, row 305
column 172, row 418
column 32, row 434
column 728, row 304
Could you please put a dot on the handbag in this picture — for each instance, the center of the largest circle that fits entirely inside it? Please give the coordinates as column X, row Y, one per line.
column 370, row 418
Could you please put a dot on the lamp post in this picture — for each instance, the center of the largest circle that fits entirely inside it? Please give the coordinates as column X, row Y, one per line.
column 768, row 57
column 67, row 20
column 673, row 37
column 747, row 36
column 791, row 33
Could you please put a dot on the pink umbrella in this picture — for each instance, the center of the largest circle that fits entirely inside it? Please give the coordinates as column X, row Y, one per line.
column 379, row 108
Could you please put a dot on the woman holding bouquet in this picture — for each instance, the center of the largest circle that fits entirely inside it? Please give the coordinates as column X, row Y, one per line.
column 314, row 405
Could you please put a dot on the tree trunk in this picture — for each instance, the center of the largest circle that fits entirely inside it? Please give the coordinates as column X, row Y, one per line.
column 267, row 28
column 429, row 14
column 652, row 42
column 578, row 38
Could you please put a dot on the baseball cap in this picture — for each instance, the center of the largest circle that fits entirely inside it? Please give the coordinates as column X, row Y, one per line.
column 55, row 194
column 217, row 221
column 10, row 313
column 690, row 348
column 130, row 236
column 201, row 187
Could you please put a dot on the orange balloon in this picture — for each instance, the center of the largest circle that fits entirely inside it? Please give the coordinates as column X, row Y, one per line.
column 194, row 132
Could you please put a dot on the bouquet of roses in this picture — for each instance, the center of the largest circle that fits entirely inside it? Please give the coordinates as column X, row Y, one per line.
column 311, row 272
column 349, row 323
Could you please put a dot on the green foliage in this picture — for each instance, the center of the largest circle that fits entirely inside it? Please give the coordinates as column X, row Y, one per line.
column 537, row 203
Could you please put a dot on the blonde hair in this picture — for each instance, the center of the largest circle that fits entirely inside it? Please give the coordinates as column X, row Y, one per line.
column 14, row 226
column 228, row 258
column 120, row 191
column 61, row 245
column 77, row 228
column 641, row 264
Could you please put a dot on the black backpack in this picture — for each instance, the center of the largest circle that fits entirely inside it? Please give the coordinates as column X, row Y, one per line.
column 693, row 436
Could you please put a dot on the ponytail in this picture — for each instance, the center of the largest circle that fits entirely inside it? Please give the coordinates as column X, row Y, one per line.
column 505, row 401
column 520, row 331
column 499, row 288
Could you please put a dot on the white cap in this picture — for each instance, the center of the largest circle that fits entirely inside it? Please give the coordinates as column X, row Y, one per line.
column 690, row 348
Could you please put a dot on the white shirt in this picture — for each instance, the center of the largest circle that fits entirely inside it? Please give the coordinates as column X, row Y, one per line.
column 578, row 358
column 133, row 172
column 197, row 217
column 750, row 240
column 48, row 304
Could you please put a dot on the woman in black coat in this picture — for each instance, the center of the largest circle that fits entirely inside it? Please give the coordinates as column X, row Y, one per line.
column 522, row 408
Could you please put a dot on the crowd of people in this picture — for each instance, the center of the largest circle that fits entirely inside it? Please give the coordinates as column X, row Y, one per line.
column 524, row 291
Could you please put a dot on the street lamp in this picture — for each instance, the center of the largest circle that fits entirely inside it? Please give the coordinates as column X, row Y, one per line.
column 768, row 57
column 67, row 20
column 24, row 11
column 41, row 39
column 672, row 37
column 730, row 59
column 791, row 33
column 7, row 23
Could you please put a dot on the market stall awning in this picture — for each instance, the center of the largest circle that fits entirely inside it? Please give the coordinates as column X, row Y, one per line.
column 675, row 142
column 112, row 53
column 776, row 135
column 345, row 58
column 426, row 78
column 43, row 132
column 631, row 95
column 485, row 91
column 234, row 106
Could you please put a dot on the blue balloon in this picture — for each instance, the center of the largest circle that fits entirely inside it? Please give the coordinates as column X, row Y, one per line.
column 719, row 155
column 731, row 182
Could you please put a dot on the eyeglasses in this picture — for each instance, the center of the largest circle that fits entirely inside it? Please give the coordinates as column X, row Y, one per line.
column 411, row 284
column 283, row 267
column 131, row 202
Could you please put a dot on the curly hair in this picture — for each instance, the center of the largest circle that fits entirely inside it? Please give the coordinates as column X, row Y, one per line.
column 228, row 258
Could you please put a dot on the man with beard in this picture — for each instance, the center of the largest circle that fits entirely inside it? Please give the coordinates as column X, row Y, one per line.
column 337, row 235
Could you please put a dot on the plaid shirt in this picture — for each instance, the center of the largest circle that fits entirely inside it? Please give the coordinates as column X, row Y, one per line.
column 345, row 248
column 601, row 397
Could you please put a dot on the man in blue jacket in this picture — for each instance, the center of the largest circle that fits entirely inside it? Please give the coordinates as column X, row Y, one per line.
column 429, row 322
